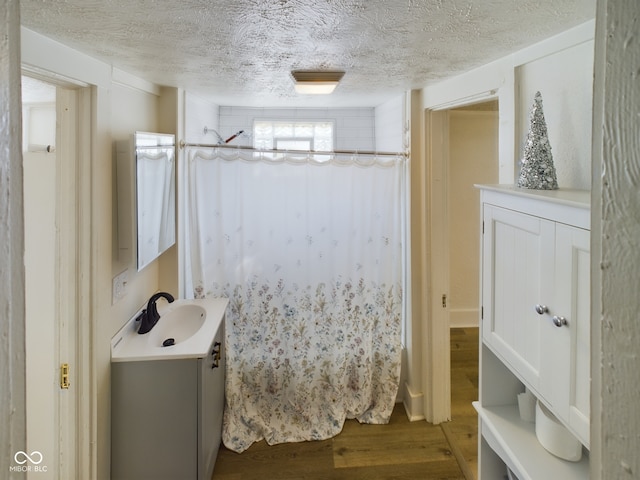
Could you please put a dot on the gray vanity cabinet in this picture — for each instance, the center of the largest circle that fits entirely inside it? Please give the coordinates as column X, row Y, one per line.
column 166, row 416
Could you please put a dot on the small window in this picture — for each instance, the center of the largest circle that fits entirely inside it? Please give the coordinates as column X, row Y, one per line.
column 305, row 144
column 287, row 135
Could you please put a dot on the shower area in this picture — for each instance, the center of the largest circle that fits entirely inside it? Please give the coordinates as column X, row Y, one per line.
column 310, row 249
column 309, row 252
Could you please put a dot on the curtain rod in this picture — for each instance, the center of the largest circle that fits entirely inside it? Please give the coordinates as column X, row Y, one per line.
column 184, row 144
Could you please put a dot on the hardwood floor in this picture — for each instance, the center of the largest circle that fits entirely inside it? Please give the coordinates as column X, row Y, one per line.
column 464, row 390
column 401, row 450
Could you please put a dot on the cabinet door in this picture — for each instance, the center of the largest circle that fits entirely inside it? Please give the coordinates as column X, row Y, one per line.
column 566, row 368
column 211, row 405
column 518, row 251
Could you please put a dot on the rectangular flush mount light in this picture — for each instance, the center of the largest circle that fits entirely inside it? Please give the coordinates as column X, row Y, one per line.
column 316, row 83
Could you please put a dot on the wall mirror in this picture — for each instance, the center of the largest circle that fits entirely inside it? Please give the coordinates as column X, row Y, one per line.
column 146, row 196
column 155, row 195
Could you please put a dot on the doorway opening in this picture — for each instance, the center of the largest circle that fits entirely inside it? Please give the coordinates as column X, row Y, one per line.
column 457, row 137
column 473, row 159
column 461, row 151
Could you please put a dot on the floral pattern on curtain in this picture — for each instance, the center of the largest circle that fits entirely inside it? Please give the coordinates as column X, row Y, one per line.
column 310, row 254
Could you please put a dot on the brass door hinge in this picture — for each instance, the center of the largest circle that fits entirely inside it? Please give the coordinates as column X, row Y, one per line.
column 64, row 376
column 444, row 300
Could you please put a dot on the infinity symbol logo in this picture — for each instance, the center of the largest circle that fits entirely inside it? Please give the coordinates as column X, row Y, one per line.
column 28, row 458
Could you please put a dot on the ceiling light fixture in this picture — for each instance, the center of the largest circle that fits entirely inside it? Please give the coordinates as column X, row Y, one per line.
column 316, row 83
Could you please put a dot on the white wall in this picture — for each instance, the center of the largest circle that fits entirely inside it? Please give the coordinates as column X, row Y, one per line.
column 390, row 126
column 200, row 113
column 565, row 80
column 567, row 59
column 36, row 132
column 354, row 127
column 473, row 150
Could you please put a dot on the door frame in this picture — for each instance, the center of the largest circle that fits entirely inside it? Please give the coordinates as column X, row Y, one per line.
column 437, row 357
column 73, row 311
column 74, row 196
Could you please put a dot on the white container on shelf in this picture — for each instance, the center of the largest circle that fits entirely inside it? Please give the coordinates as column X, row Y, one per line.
column 554, row 436
column 527, row 406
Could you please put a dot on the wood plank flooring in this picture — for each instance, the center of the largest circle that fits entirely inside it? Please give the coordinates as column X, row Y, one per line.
column 464, row 390
column 401, row 450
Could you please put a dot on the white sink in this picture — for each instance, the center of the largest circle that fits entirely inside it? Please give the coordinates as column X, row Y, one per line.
column 178, row 324
column 186, row 327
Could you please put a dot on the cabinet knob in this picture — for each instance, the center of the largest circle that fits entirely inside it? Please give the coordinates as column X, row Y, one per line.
column 559, row 321
column 541, row 309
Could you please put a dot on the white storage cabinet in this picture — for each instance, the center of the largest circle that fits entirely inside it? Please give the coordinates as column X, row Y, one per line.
column 534, row 326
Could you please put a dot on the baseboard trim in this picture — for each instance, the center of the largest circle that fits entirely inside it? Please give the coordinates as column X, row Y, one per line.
column 463, row 318
column 413, row 404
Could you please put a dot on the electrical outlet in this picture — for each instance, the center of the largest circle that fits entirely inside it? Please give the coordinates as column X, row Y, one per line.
column 119, row 286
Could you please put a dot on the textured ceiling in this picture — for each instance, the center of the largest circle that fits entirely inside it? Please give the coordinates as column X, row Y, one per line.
column 241, row 52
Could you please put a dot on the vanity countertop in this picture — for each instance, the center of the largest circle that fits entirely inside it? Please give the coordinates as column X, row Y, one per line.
column 128, row 346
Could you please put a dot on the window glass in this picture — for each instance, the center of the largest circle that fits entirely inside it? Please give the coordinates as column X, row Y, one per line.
column 283, row 129
column 292, row 135
column 291, row 144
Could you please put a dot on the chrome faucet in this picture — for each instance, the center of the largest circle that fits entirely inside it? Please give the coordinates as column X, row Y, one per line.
column 150, row 316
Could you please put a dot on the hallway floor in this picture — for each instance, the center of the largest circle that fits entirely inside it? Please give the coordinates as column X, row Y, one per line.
column 401, row 450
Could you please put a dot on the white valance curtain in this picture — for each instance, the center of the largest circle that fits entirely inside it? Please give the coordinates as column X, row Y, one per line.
column 309, row 250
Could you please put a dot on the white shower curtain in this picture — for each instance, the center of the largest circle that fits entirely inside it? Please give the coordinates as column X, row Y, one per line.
column 310, row 253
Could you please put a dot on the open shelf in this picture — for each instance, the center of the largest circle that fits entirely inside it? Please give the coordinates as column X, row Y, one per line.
column 515, row 442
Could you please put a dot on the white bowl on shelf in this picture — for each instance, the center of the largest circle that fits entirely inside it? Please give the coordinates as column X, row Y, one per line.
column 554, row 436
